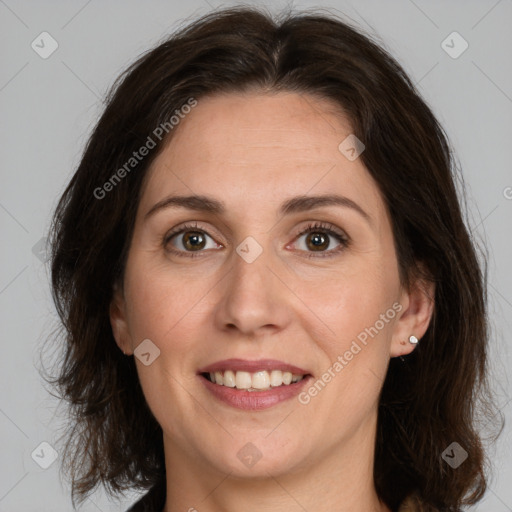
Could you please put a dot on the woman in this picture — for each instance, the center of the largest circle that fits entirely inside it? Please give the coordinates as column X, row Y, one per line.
column 270, row 297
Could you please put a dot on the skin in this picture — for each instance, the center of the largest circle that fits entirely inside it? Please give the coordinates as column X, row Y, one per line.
column 253, row 151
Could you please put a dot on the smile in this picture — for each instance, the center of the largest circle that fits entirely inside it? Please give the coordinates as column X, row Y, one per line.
column 253, row 385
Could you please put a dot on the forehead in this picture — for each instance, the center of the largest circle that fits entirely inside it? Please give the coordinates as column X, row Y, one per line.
column 260, row 146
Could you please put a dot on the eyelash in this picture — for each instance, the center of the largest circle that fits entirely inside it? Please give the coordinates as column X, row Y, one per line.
column 317, row 227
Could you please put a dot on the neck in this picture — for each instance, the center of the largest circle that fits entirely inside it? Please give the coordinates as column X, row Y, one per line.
column 340, row 480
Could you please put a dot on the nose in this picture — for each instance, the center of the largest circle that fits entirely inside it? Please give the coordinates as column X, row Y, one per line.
column 254, row 299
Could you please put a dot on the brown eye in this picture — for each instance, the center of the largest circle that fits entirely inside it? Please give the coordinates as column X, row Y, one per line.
column 188, row 239
column 317, row 241
column 193, row 240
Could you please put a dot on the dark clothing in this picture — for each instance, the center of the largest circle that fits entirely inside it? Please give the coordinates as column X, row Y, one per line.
column 154, row 501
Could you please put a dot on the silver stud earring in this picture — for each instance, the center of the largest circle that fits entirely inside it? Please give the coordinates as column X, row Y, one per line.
column 413, row 339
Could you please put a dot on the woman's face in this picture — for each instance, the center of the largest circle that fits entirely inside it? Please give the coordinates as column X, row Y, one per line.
column 241, row 283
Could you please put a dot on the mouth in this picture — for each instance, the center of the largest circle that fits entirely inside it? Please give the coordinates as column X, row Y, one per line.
column 253, row 384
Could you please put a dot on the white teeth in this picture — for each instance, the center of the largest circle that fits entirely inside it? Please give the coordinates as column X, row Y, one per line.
column 276, row 378
column 243, row 380
column 257, row 381
column 260, row 380
column 287, row 378
column 229, row 379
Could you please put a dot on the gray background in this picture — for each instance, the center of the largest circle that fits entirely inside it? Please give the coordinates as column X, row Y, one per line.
column 49, row 106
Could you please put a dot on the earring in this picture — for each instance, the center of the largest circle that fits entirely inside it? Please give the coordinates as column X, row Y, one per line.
column 413, row 339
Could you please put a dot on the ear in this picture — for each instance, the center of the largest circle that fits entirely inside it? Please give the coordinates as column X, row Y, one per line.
column 118, row 321
column 418, row 306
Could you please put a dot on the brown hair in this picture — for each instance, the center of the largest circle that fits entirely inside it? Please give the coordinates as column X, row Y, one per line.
column 428, row 399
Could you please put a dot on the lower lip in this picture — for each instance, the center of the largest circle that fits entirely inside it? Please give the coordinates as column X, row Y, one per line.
column 254, row 400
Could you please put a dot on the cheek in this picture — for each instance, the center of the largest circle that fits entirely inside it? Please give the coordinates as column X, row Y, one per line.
column 355, row 316
column 160, row 301
column 162, row 309
column 346, row 303
column 355, row 352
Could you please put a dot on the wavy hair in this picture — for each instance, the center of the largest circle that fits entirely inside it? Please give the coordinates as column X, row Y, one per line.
column 429, row 399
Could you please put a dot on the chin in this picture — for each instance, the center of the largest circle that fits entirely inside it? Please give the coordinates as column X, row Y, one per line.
column 256, row 457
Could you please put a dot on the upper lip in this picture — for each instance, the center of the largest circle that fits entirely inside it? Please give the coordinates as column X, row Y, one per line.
column 244, row 365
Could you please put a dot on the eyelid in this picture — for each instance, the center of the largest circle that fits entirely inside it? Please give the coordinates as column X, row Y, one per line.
column 184, row 227
column 322, row 226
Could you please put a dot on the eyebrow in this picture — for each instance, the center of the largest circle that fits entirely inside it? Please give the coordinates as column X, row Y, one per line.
column 296, row 204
